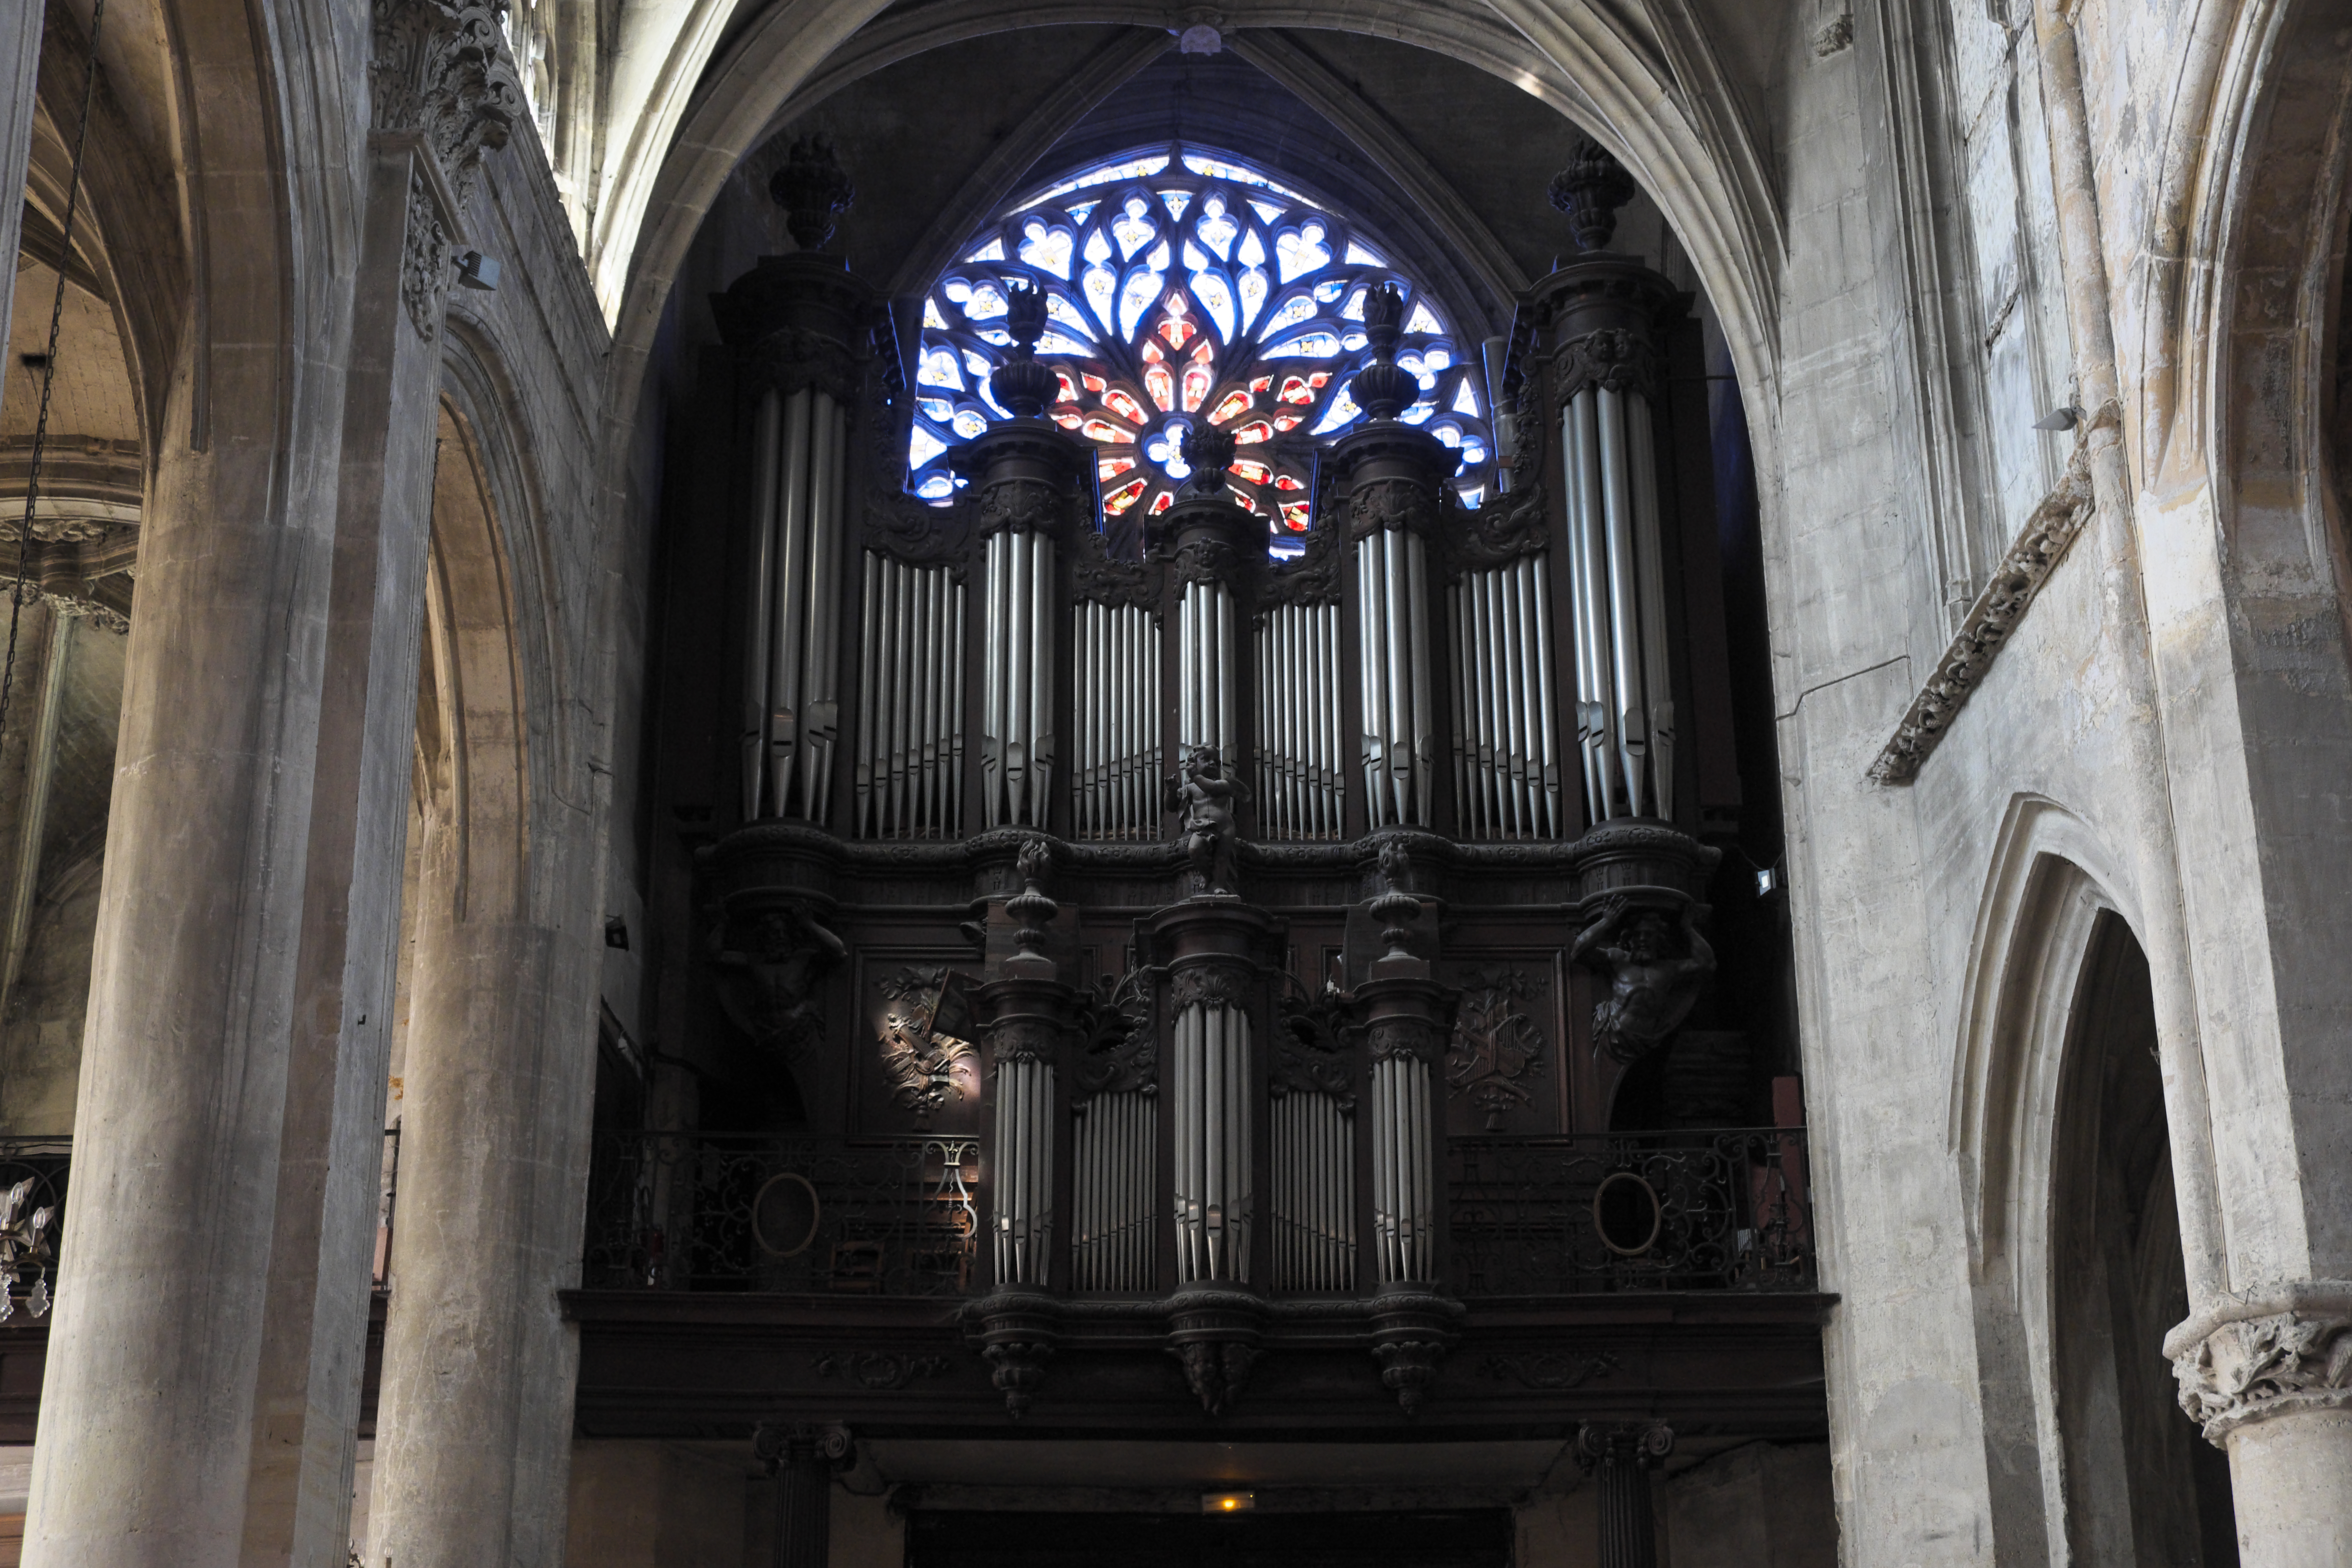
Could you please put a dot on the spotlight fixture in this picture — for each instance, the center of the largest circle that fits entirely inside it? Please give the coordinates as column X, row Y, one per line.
column 2063, row 417
column 475, row 271
column 1228, row 1502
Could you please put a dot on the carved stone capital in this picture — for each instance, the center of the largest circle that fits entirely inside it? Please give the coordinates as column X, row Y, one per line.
column 1018, row 1334
column 423, row 259
column 440, row 68
column 792, row 1444
column 2260, row 1367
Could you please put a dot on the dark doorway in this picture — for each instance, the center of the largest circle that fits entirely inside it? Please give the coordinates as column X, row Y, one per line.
column 1472, row 1538
column 2144, row 1488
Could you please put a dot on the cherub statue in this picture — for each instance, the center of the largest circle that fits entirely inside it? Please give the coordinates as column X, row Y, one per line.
column 1652, row 989
column 1206, row 797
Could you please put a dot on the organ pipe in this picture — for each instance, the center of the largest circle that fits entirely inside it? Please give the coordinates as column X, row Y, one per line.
column 1625, row 729
column 908, row 766
column 1017, row 747
column 1024, row 1170
column 1506, row 763
column 1300, row 789
column 1313, row 1199
column 1212, row 1095
column 1117, row 722
column 790, row 698
column 1115, row 1153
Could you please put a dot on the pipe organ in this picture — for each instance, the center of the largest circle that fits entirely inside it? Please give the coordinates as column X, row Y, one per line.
column 1177, row 1098
column 910, row 772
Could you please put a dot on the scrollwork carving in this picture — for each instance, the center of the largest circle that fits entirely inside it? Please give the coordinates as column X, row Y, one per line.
column 1313, row 578
column 920, row 1053
column 881, row 1371
column 1310, row 1047
column 2245, row 1370
column 1097, row 579
column 1620, row 358
column 1495, row 1046
column 792, row 358
column 440, row 68
column 1216, row 984
column 1206, row 561
column 898, row 525
column 1378, row 505
column 1024, row 503
column 423, row 259
column 1122, row 1049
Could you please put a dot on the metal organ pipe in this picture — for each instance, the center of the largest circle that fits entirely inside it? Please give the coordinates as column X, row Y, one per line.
column 1118, row 722
column 908, row 756
column 1299, row 722
column 1399, row 720
column 791, row 661
column 1017, row 680
column 1617, row 569
column 1212, row 1097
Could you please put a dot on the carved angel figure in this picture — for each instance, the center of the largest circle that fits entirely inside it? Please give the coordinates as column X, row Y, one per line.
column 1651, row 987
column 1206, row 798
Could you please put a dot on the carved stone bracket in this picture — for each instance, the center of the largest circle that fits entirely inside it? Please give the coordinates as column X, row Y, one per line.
column 2040, row 546
column 440, row 68
column 1122, row 1049
column 1411, row 1332
column 1018, row 1333
column 2258, row 1367
column 1215, row 1335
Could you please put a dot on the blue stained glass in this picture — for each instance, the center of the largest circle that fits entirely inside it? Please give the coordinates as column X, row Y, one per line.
column 939, row 370
column 931, row 316
column 1134, row 168
column 1143, row 289
column 1423, row 319
column 1342, row 413
column 1354, row 308
column 1419, row 413
column 1465, row 400
column 993, row 251
column 1062, row 343
column 936, row 487
column 936, row 408
column 922, row 446
column 1318, row 344
column 1296, row 309
column 1449, row 434
column 1472, row 495
column 1046, row 247
column 1253, row 250
column 968, row 422
column 1134, row 229
column 1269, row 211
column 1359, row 255
column 1354, row 342
column 1331, row 288
column 1438, row 356
column 1216, row 299
column 1177, row 202
column 1097, row 248
column 1080, row 211
column 998, row 336
column 1158, row 259
column 956, row 289
column 1254, row 288
column 1058, row 309
column 1194, row 256
column 1474, row 452
column 1217, row 230
column 1101, row 286
column 986, row 303
column 1303, row 252
column 979, row 366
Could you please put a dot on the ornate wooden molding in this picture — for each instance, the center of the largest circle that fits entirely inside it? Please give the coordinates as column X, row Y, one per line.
column 2040, row 546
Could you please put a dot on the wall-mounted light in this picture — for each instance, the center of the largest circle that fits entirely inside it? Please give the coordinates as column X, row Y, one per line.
column 2064, row 418
column 475, row 271
column 1228, row 1502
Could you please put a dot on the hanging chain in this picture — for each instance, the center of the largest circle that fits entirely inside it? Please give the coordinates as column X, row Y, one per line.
column 49, row 370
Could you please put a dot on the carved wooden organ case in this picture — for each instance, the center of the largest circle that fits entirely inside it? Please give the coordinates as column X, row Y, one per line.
column 1204, row 906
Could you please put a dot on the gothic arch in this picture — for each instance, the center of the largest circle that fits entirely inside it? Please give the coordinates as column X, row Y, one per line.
column 1701, row 165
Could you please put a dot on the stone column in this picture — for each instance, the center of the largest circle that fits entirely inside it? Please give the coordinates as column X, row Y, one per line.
column 242, row 977
column 804, row 1457
column 1621, row 1455
column 20, row 66
column 2274, row 1387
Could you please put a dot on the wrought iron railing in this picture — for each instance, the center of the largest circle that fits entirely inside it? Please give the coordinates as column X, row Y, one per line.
column 711, row 1212
column 29, row 1255
column 1629, row 1211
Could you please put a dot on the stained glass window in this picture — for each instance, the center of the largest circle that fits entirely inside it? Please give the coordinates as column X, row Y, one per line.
column 1184, row 288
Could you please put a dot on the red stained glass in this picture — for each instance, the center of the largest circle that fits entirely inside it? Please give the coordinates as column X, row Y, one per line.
column 1094, row 383
column 1161, row 385
column 1162, row 502
column 1261, row 383
column 1289, row 482
column 1120, row 402
column 1068, row 419
column 1125, row 496
column 1101, row 429
column 1294, row 516
column 1179, row 332
column 1256, row 473
column 1296, row 390
column 1256, row 431
column 1234, row 403
column 1111, row 468
column 1198, row 379
column 1288, row 421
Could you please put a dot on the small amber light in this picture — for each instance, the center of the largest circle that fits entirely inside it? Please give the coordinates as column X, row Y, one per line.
column 1227, row 1502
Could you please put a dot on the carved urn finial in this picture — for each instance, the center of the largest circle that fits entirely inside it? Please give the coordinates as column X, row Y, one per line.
column 1590, row 191
column 1030, row 906
column 1384, row 390
column 812, row 190
column 1210, row 452
column 1020, row 384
